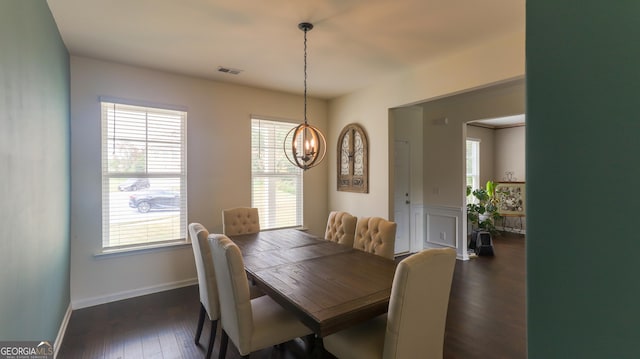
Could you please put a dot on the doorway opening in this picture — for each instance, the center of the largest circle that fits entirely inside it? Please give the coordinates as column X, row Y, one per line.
column 495, row 151
column 436, row 132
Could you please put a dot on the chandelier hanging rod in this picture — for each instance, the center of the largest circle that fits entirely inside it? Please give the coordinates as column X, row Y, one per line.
column 305, row 27
column 305, row 145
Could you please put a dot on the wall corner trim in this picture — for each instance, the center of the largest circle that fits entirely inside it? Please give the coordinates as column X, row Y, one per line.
column 62, row 331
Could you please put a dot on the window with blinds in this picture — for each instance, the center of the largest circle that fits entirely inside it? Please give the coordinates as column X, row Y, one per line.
column 473, row 166
column 276, row 184
column 143, row 175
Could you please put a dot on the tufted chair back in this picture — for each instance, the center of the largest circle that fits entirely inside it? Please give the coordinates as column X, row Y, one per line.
column 414, row 326
column 376, row 235
column 251, row 324
column 241, row 220
column 341, row 228
column 235, row 301
column 207, row 285
column 422, row 278
column 205, row 270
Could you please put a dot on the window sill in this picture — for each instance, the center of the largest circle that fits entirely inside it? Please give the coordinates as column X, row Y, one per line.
column 141, row 249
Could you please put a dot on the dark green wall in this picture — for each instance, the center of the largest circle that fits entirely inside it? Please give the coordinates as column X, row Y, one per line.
column 583, row 174
column 34, row 172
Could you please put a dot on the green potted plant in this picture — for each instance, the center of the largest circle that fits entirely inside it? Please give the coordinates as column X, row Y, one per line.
column 483, row 213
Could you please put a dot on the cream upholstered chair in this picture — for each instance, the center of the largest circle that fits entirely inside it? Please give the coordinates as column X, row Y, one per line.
column 209, row 304
column 341, row 228
column 240, row 220
column 207, row 286
column 376, row 235
column 252, row 324
column 415, row 323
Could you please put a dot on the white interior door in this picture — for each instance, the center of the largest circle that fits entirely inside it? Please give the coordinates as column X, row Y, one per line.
column 402, row 203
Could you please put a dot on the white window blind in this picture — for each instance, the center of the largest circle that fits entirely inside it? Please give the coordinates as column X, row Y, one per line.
column 143, row 175
column 276, row 184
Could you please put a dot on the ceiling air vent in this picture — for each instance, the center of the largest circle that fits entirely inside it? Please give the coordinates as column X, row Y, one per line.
column 229, row 70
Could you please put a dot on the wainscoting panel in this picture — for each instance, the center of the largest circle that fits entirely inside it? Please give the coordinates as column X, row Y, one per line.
column 444, row 228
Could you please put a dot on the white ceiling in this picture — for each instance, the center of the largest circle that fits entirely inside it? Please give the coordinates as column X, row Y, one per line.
column 353, row 43
column 501, row 122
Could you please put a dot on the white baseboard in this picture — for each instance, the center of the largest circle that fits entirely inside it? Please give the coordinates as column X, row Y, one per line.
column 90, row 302
column 61, row 331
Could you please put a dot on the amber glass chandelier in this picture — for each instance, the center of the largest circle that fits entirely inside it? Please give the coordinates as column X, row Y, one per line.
column 305, row 146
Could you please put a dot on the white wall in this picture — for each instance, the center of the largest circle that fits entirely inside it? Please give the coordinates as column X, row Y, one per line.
column 444, row 155
column 501, row 150
column 444, row 145
column 218, row 164
column 491, row 62
column 510, row 153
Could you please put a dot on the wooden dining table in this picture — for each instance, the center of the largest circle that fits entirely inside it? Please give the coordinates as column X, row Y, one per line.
column 328, row 286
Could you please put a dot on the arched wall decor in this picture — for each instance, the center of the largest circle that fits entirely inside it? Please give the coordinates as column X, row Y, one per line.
column 353, row 160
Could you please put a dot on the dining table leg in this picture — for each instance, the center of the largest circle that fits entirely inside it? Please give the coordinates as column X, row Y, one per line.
column 317, row 349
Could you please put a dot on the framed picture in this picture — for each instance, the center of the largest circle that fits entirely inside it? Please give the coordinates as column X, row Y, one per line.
column 353, row 160
column 511, row 198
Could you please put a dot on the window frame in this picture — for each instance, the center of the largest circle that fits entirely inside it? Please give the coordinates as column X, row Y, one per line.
column 475, row 148
column 169, row 176
column 268, row 218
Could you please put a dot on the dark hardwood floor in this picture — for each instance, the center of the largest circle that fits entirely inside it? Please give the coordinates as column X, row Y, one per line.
column 486, row 318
